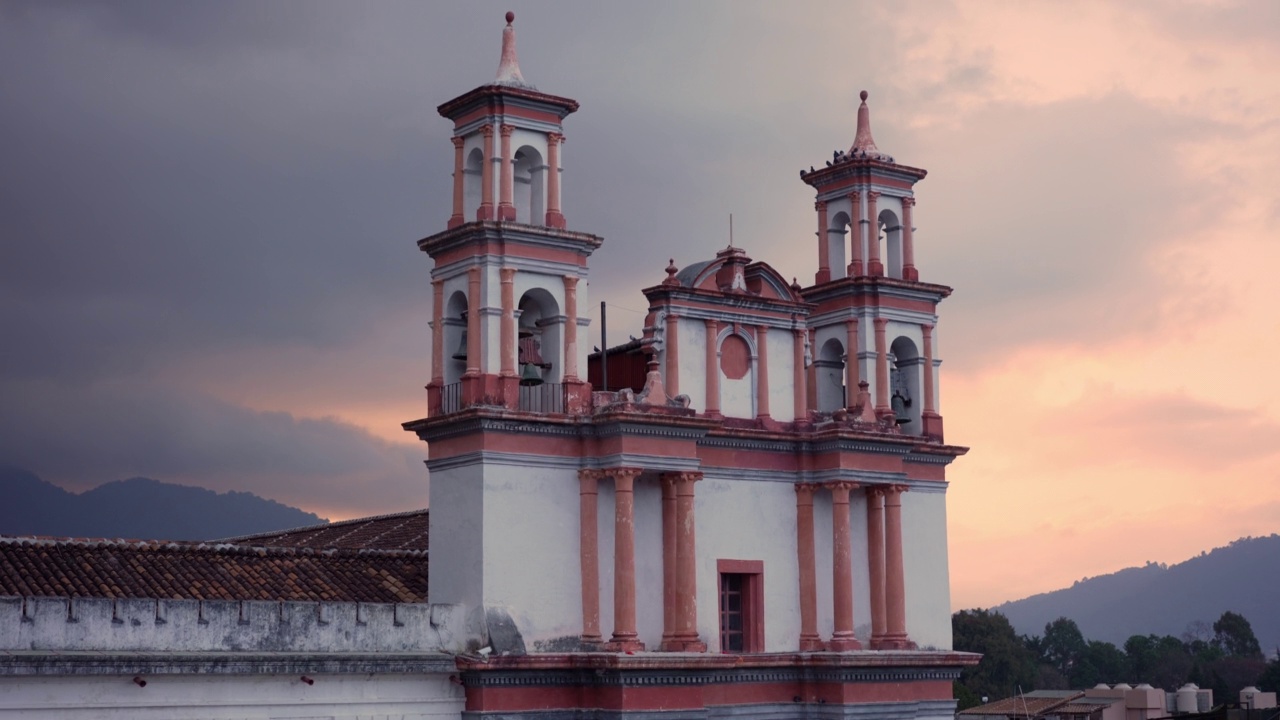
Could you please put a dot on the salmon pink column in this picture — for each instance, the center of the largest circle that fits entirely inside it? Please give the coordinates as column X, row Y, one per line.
column 851, row 370
column 474, row 303
column 882, row 370
column 909, row 271
column 874, row 266
column 842, row 576
column 506, row 210
column 554, row 217
column 671, row 337
column 929, row 415
column 762, row 372
column 713, row 368
column 669, row 612
column 875, row 564
column 485, row 211
column 686, row 565
column 855, row 237
column 810, row 641
column 456, row 218
column 799, row 379
column 570, row 328
column 824, row 252
column 507, row 379
column 624, row 562
column 895, row 590
column 589, row 528
column 437, row 332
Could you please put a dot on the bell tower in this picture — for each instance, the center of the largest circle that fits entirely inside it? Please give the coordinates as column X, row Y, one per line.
column 875, row 318
column 506, row 284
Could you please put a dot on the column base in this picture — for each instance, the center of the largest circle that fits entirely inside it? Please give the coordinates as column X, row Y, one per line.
column 433, row 398
column 884, row 413
column 876, row 268
column 844, row 644
column 895, row 642
column 822, row 276
column 577, row 396
column 484, row 213
column 555, row 220
column 617, row 644
column 509, row 390
column 932, row 425
column 909, row 272
column 591, row 642
column 455, row 221
column 812, row 644
column 854, row 271
column 507, row 213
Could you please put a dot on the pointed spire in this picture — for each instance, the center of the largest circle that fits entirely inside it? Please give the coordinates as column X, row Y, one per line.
column 509, row 66
column 863, row 140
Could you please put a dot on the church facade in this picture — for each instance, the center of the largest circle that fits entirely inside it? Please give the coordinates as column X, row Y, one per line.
column 739, row 513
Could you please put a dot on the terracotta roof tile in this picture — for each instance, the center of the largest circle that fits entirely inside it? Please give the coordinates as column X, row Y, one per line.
column 400, row 531
column 223, row 571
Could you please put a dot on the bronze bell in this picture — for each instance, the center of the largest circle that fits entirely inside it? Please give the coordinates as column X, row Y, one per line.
column 530, row 375
column 900, row 403
column 461, row 354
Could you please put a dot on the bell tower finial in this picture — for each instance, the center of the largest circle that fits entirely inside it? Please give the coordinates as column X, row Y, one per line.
column 509, row 66
column 862, row 141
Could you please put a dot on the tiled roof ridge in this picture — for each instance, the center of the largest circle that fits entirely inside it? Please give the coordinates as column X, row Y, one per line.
column 214, row 547
column 323, row 526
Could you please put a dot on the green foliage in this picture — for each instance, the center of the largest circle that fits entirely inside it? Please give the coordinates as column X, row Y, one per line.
column 1006, row 663
column 1234, row 635
column 1269, row 680
column 1062, row 646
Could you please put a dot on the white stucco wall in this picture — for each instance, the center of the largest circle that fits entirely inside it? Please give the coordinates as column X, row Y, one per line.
column 219, row 697
column 928, row 583
column 531, row 560
column 693, row 362
column 781, row 347
column 751, row 520
column 457, row 546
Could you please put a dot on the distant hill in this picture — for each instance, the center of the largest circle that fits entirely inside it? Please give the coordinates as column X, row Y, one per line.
column 138, row 508
column 1243, row 577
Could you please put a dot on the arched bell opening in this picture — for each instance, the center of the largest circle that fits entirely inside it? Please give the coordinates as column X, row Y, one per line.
column 472, row 188
column 891, row 228
column 530, row 176
column 455, row 337
column 539, row 329
column 905, row 376
column 830, row 376
column 836, row 245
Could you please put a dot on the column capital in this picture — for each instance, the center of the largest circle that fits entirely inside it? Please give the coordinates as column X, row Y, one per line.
column 873, row 194
column 854, row 195
column 438, row 283
column 508, row 275
column 682, row 477
column 590, row 474
column 926, row 328
column 487, row 130
column 845, row 485
column 712, row 324
column 555, row 137
column 880, row 323
column 506, row 129
column 895, row 490
column 820, row 205
column 622, row 473
column 458, row 142
column 908, row 202
column 571, row 282
column 876, row 490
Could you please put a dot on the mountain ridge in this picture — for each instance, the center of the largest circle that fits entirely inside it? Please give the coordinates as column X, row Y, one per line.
column 1243, row 577
column 138, row 508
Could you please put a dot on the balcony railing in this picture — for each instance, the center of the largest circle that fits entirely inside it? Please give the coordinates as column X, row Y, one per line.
column 544, row 398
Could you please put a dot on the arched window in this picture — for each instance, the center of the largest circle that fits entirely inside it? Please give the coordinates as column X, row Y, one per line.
column 455, row 337
column 892, row 230
column 530, row 173
column 539, row 328
column 472, row 192
column 905, row 368
column 836, row 245
column 830, row 376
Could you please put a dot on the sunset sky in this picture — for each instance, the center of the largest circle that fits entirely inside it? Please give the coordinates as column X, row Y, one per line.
column 208, row 272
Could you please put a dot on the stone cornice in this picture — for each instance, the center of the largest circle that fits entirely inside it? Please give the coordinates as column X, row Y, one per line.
column 510, row 232
column 62, row 663
column 876, row 285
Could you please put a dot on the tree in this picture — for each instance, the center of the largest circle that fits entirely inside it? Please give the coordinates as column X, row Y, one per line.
column 1006, row 663
column 1162, row 661
column 1102, row 662
column 1233, row 633
column 1063, row 646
